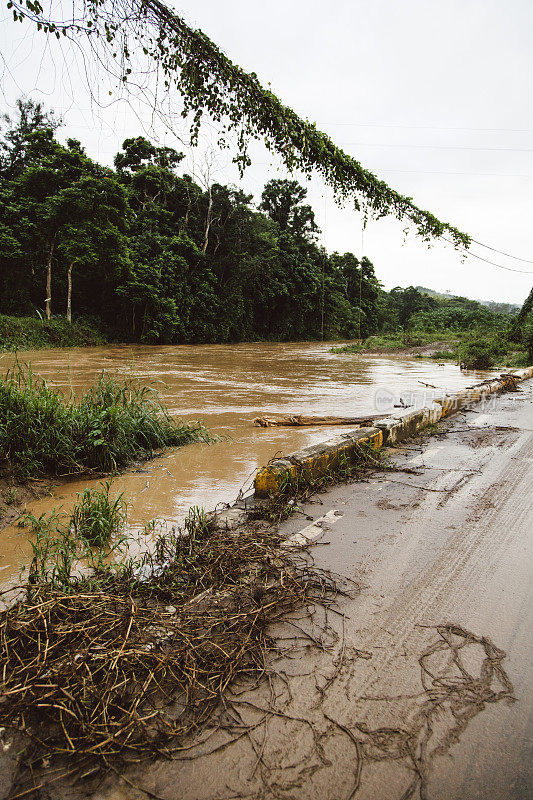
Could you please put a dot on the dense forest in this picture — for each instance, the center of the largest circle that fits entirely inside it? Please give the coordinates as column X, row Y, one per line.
column 146, row 254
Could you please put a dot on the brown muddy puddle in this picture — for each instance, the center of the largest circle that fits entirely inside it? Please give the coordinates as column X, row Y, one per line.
column 225, row 386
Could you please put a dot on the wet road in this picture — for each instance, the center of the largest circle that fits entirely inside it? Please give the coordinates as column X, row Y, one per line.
column 427, row 693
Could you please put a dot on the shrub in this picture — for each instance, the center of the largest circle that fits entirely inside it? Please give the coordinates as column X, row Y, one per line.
column 482, row 351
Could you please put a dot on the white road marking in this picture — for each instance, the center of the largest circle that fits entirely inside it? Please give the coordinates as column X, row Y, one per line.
column 426, row 454
column 313, row 531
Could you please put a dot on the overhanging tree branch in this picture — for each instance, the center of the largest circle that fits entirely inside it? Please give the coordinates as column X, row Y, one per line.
column 211, row 84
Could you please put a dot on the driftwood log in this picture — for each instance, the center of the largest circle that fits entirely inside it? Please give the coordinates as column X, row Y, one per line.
column 297, row 420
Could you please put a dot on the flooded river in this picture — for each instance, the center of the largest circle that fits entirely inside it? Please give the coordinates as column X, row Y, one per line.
column 225, row 386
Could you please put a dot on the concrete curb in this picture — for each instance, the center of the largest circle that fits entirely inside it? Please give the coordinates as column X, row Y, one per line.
column 314, row 460
column 317, row 459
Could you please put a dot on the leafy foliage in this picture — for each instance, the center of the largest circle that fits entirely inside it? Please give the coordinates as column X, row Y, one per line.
column 90, row 535
column 153, row 257
column 414, row 311
column 211, row 84
column 142, row 253
column 480, row 352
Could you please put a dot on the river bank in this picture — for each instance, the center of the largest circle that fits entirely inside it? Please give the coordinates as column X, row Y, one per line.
column 473, row 349
column 16, row 495
column 224, row 386
column 33, row 333
column 402, row 343
column 476, row 350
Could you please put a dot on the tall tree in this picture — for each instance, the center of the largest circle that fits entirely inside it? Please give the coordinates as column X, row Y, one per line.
column 282, row 201
column 15, row 143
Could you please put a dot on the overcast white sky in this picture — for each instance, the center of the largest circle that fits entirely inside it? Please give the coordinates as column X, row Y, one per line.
column 435, row 98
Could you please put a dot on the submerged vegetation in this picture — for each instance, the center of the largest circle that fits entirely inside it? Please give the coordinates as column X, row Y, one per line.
column 96, row 517
column 392, row 342
column 43, row 432
column 89, row 535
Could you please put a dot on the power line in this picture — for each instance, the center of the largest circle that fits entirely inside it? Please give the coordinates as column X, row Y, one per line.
column 428, row 127
column 493, row 263
column 516, row 258
column 449, row 172
column 440, row 147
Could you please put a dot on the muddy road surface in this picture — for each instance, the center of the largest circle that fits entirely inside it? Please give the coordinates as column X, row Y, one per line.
column 418, row 683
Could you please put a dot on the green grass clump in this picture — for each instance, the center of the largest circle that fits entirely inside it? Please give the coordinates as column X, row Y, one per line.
column 55, row 550
column 442, row 355
column 43, row 432
column 32, row 333
column 62, row 544
column 348, row 348
column 96, row 517
column 480, row 349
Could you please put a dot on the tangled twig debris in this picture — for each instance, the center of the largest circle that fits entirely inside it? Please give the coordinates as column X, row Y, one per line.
column 112, row 669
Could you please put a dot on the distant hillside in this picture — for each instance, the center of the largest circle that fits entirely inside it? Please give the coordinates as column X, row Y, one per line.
column 498, row 308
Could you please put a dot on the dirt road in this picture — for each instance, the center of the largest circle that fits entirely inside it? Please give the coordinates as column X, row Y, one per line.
column 454, row 552
column 423, row 687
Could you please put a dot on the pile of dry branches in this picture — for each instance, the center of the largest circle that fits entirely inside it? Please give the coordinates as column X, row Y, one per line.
column 122, row 666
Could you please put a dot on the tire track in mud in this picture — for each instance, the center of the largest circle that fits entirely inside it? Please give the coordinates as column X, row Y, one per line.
column 444, row 673
column 433, row 594
column 479, row 516
column 432, row 591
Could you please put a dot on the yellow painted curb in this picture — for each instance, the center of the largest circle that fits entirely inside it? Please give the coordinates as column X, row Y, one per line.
column 318, row 459
column 315, row 460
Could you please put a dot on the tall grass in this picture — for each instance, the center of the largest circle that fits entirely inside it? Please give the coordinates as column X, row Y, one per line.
column 60, row 544
column 44, row 432
column 96, row 517
column 32, row 333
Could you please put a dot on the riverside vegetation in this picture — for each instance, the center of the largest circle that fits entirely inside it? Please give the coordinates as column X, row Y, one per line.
column 139, row 653
column 45, row 433
column 140, row 253
column 475, row 335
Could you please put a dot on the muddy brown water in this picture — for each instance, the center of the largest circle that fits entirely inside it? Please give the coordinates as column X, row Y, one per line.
column 225, row 386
